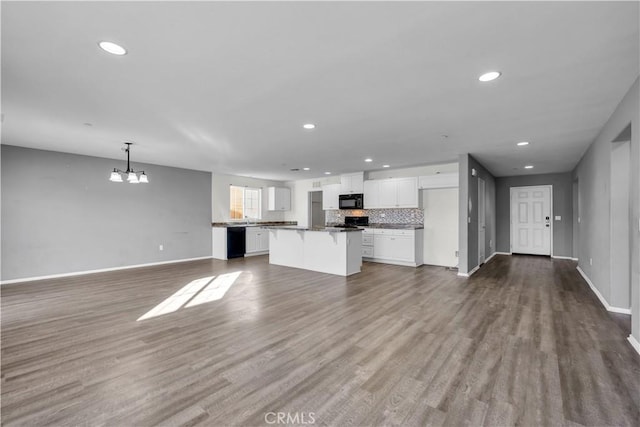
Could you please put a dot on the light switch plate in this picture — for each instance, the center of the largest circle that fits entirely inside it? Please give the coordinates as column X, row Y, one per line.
column 558, row 218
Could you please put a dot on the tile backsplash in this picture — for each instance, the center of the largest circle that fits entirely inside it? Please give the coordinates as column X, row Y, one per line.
column 391, row 216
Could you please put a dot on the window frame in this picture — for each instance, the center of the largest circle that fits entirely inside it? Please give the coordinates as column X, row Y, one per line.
column 234, row 205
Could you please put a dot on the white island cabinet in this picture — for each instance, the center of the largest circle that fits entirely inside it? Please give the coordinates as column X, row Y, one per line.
column 326, row 250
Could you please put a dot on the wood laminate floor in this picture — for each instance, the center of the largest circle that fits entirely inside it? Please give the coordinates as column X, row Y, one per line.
column 522, row 342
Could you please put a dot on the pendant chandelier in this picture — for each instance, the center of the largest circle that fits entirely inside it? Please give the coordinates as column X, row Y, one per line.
column 133, row 177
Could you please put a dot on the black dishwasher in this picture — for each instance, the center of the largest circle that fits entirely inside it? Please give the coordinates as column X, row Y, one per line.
column 236, row 242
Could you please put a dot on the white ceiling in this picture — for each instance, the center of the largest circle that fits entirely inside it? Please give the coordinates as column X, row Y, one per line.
column 226, row 87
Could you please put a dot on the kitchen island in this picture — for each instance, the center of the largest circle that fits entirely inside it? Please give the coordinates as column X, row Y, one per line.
column 324, row 249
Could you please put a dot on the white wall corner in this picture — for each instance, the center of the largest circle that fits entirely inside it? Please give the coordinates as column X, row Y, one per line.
column 469, row 274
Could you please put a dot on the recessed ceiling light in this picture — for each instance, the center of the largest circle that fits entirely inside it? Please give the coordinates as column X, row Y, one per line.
column 306, row 169
column 523, row 143
column 528, row 167
column 491, row 75
column 368, row 160
column 309, row 126
column 385, row 166
column 112, row 48
column 327, row 173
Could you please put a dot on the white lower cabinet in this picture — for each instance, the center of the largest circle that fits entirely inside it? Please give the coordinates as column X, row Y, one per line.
column 392, row 246
column 257, row 241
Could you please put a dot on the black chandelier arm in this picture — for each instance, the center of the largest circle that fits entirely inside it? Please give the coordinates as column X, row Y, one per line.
column 127, row 171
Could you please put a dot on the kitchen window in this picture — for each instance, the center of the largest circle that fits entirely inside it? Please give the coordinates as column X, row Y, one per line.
column 245, row 202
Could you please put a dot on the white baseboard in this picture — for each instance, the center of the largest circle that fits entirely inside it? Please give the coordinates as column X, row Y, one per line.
column 502, row 253
column 102, row 270
column 634, row 343
column 392, row 262
column 256, row 253
column 469, row 273
column 563, row 257
column 490, row 256
column 477, row 266
column 619, row 310
column 604, row 302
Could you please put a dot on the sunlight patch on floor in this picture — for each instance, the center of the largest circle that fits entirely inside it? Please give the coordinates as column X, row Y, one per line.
column 177, row 300
column 196, row 292
column 215, row 290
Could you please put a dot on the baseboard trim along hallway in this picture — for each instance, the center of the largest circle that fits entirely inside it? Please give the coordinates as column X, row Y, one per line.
column 604, row 302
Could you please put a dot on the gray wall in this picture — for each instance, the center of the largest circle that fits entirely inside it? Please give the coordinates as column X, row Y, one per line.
column 468, row 197
column 61, row 214
column 593, row 174
column 562, row 206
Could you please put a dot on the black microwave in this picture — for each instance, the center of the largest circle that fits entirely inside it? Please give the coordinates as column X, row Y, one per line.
column 351, row 201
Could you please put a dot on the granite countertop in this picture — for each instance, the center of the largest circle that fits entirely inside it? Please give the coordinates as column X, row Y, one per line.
column 396, row 226
column 323, row 229
column 252, row 224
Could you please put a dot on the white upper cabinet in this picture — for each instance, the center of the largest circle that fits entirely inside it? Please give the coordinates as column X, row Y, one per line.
column 330, row 194
column 391, row 193
column 371, row 194
column 442, row 180
column 279, row 198
column 387, row 194
column 352, row 183
column 407, row 192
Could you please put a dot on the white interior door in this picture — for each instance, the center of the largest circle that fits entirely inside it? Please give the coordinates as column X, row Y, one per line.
column 531, row 220
column 481, row 221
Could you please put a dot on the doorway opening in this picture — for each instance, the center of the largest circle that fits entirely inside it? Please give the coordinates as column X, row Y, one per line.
column 576, row 217
column 620, row 220
column 481, row 221
column 316, row 213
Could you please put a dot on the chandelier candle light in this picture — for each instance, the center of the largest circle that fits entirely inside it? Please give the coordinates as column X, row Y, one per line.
column 132, row 176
